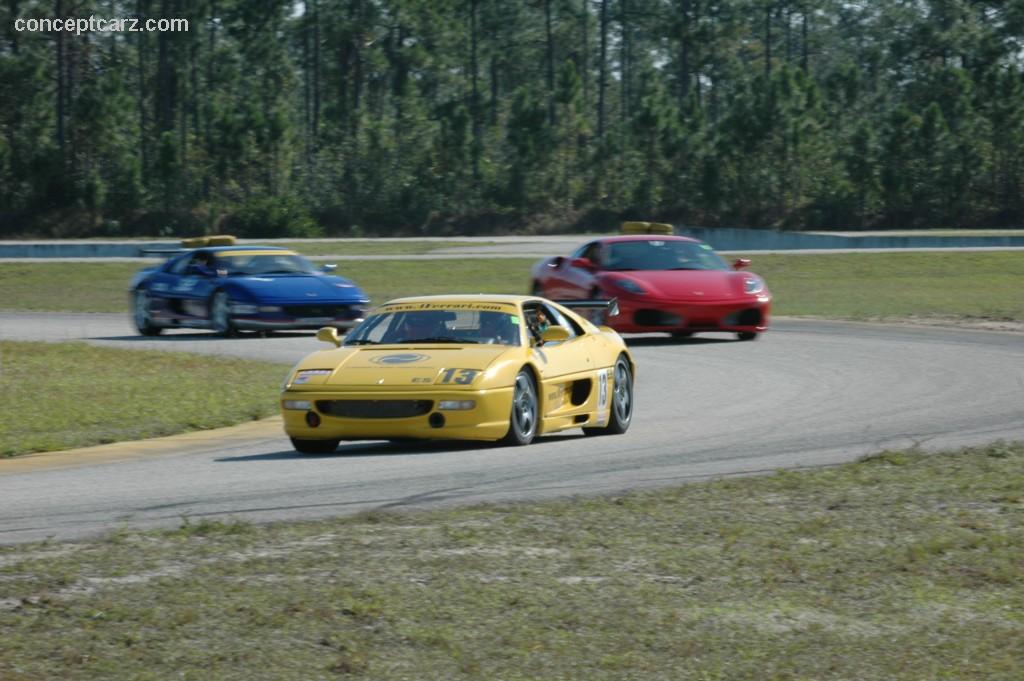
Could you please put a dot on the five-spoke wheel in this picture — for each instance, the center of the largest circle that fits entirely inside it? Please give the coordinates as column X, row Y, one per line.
column 621, row 407
column 522, row 427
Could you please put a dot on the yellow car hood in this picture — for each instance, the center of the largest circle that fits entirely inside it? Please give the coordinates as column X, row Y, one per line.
column 414, row 366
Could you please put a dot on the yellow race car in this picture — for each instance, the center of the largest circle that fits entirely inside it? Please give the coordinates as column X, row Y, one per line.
column 464, row 367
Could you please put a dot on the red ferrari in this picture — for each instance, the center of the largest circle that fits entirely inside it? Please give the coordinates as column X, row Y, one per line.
column 662, row 282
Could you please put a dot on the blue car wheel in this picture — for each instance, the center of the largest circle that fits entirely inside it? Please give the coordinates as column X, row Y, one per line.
column 143, row 315
column 220, row 314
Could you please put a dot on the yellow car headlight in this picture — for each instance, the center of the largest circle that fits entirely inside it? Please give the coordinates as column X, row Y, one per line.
column 456, row 405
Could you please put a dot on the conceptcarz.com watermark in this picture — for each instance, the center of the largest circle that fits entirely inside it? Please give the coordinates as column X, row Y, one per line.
column 78, row 26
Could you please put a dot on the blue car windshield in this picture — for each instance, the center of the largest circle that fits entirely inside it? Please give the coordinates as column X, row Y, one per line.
column 243, row 263
column 661, row 254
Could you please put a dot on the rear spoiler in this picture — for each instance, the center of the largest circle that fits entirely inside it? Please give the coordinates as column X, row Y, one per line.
column 609, row 308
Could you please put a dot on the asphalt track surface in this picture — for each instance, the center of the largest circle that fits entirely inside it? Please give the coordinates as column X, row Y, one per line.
column 806, row 394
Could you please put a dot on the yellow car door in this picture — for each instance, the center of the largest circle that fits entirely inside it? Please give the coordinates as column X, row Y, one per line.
column 562, row 364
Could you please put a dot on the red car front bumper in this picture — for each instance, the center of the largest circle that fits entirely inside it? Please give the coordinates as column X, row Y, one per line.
column 638, row 315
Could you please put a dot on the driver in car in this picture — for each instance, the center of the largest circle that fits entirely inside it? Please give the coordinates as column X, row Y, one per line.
column 498, row 327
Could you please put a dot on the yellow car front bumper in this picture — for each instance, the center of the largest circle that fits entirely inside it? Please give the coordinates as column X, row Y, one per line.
column 328, row 416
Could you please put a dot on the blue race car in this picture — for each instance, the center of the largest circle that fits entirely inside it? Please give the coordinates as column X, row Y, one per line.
column 225, row 287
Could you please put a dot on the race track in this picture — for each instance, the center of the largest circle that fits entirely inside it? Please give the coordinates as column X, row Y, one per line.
column 807, row 393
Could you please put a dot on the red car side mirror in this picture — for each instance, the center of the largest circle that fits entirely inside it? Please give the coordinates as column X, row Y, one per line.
column 583, row 263
column 741, row 263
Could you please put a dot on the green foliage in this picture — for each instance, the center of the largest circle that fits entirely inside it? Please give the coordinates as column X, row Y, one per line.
column 407, row 116
column 272, row 216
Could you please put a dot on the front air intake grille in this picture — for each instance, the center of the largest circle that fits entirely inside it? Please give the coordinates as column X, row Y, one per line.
column 656, row 318
column 751, row 317
column 374, row 409
column 332, row 311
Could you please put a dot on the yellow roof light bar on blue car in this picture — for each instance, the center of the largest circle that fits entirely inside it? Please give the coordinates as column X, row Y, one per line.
column 213, row 240
column 647, row 228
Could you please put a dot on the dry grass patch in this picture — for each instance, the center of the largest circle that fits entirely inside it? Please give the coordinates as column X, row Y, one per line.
column 902, row 566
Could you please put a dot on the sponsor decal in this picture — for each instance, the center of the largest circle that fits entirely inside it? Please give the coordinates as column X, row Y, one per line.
column 602, row 389
column 556, row 398
column 602, row 392
column 304, row 376
column 403, row 358
column 406, row 307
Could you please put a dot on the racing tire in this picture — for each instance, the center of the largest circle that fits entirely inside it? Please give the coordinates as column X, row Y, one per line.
column 314, row 446
column 220, row 314
column 142, row 315
column 522, row 422
column 746, row 335
column 537, row 290
column 621, row 408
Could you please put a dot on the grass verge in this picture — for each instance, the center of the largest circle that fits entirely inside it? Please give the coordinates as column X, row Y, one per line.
column 968, row 285
column 901, row 566
column 65, row 395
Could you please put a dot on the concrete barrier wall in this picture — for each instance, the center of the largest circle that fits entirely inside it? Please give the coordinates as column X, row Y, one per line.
column 80, row 249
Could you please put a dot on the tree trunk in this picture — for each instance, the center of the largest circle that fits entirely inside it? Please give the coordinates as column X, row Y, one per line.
column 316, row 71
column 474, row 96
column 550, row 61
column 58, row 12
column 803, row 41
column 584, row 61
column 684, row 53
column 626, row 59
column 141, row 10
column 602, row 68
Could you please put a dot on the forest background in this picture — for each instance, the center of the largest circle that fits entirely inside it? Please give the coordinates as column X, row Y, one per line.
column 275, row 118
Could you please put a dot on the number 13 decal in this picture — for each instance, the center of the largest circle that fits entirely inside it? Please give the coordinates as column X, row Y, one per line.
column 460, row 376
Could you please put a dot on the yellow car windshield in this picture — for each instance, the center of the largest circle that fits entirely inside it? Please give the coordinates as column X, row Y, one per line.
column 458, row 326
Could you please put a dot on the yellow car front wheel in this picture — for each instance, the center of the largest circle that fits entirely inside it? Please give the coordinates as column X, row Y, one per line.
column 522, row 426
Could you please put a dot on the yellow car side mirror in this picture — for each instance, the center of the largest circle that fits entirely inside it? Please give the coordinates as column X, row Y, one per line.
column 555, row 334
column 329, row 334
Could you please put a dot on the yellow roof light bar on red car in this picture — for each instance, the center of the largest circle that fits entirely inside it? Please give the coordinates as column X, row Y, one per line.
column 213, row 240
column 647, row 228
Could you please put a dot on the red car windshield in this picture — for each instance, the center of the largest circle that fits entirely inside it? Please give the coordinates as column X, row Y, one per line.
column 658, row 254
